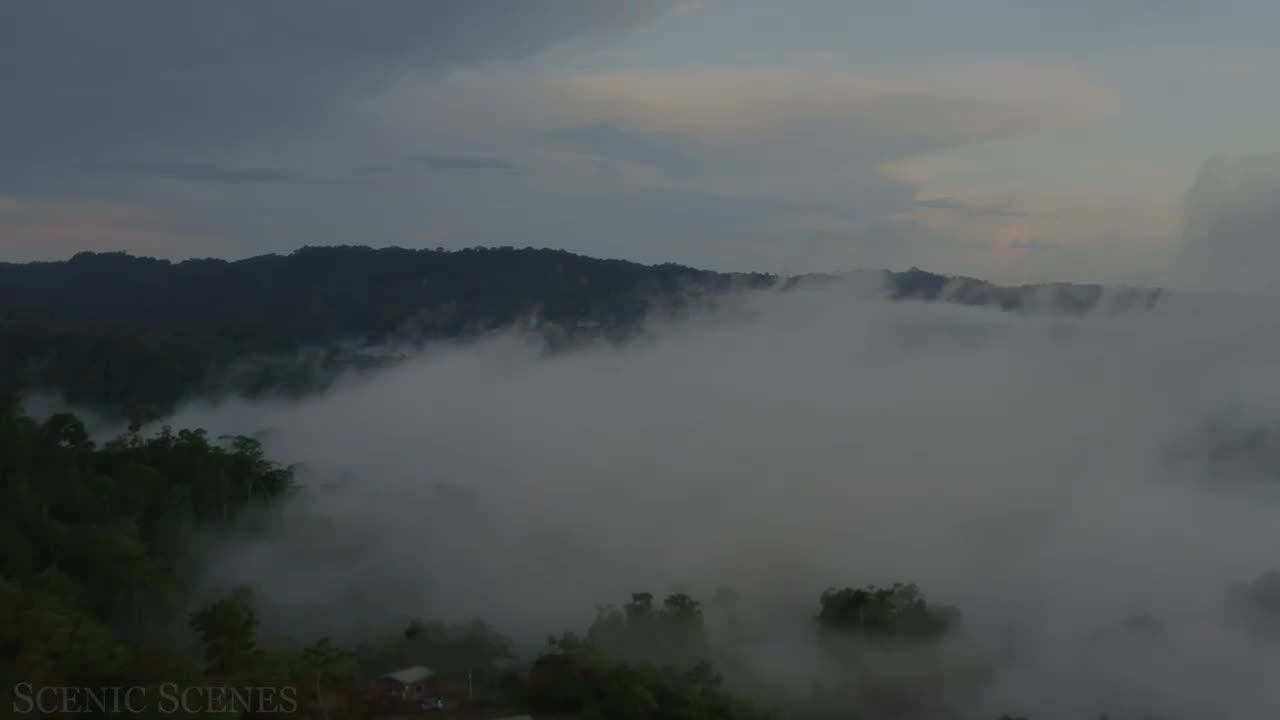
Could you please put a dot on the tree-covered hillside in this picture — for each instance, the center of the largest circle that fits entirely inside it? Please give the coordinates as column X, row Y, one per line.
column 97, row 571
column 128, row 335
column 96, row 577
column 124, row 334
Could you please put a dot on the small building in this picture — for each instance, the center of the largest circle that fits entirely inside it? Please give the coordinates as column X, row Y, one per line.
column 410, row 684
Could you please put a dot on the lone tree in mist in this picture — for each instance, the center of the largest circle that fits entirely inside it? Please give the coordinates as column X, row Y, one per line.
column 898, row 613
column 229, row 631
column 885, row 641
column 573, row 678
column 322, row 668
column 673, row 634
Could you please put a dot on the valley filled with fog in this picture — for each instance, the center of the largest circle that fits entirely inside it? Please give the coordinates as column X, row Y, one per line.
column 640, row 360
column 1052, row 477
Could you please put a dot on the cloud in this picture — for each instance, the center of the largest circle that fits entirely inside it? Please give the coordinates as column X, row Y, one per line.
column 669, row 153
column 211, row 173
column 112, row 84
column 1018, row 467
column 1034, row 245
column 466, row 162
column 943, row 103
column 266, row 108
column 784, row 170
column 969, row 209
column 769, row 151
column 730, row 124
column 1231, row 225
column 32, row 229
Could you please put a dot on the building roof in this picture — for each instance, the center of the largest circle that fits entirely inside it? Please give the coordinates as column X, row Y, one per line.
column 410, row 675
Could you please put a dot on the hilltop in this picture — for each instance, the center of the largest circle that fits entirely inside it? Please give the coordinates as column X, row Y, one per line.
column 128, row 335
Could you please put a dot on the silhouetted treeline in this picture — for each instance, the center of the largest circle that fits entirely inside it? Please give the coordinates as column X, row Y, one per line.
column 127, row 335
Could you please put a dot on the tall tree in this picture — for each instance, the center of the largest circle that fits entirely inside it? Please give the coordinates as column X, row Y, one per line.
column 228, row 630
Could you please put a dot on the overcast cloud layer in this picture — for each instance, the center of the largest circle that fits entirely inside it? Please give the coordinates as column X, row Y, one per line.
column 89, row 81
column 1051, row 477
column 1014, row 141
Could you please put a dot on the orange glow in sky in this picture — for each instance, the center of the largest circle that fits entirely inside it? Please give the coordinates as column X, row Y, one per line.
column 1012, row 238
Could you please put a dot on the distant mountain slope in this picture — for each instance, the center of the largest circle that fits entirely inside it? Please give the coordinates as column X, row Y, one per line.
column 125, row 334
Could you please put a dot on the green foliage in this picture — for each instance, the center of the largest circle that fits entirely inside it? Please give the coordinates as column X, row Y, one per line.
column 469, row 659
column 674, row 634
column 639, row 661
column 93, row 573
column 46, row 637
column 93, row 580
column 886, row 640
column 576, row 679
column 328, row 674
column 229, row 631
column 898, row 613
column 134, row 336
column 93, row 556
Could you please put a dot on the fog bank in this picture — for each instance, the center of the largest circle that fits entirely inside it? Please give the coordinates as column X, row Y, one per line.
column 1050, row 476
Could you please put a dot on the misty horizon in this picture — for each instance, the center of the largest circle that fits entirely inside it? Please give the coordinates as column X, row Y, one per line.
column 1031, row 470
column 644, row 359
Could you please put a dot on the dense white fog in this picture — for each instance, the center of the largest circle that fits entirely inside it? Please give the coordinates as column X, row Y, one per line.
column 1051, row 476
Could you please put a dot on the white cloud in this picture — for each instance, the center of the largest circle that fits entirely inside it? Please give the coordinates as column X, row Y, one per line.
column 789, row 146
column 1231, row 225
column 1018, row 467
column 200, row 77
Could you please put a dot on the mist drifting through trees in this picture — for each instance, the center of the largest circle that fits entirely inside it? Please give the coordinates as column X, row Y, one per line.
column 1051, row 477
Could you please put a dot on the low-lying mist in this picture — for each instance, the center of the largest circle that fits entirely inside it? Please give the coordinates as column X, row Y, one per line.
column 1050, row 476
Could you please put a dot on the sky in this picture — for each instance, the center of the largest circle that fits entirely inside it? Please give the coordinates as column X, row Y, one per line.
column 1050, row 477
column 1119, row 141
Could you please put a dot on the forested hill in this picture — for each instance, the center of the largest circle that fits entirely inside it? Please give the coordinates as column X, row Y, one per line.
column 125, row 334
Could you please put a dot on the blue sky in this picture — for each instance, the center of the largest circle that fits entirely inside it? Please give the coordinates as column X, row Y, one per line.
column 1116, row 141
